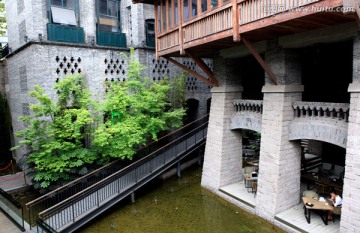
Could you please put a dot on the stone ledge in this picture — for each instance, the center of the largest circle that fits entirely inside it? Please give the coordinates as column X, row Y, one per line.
column 226, row 89
column 282, row 88
column 354, row 87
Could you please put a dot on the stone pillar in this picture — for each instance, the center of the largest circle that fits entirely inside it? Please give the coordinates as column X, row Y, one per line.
column 223, row 151
column 350, row 213
column 280, row 159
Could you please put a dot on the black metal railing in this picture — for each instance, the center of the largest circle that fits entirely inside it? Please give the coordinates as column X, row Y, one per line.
column 12, row 209
column 52, row 198
column 80, row 208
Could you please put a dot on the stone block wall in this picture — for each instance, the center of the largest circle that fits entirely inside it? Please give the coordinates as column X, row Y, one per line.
column 223, row 151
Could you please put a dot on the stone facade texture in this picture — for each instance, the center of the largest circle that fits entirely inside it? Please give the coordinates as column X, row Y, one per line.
column 44, row 62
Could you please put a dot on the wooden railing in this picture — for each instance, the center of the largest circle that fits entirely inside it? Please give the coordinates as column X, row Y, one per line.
column 224, row 18
column 209, row 24
column 169, row 40
column 251, row 10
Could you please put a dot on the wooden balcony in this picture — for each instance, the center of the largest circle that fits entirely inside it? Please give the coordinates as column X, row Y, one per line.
column 223, row 26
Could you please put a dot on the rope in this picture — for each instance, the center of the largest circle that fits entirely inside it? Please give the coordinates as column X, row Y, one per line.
column 2, row 169
column 12, row 178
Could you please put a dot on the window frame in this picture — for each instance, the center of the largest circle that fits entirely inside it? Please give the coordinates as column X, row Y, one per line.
column 76, row 9
column 118, row 14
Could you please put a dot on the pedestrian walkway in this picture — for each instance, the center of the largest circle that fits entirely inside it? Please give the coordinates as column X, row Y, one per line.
column 13, row 182
column 7, row 225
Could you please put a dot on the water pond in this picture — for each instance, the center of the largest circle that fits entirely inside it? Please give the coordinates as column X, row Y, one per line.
column 178, row 205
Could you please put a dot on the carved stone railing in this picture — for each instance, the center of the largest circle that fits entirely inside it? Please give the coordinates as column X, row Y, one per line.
column 338, row 111
column 242, row 105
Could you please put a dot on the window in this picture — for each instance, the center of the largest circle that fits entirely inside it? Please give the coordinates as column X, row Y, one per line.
column 203, row 5
column 109, row 15
column 150, row 32
column 63, row 12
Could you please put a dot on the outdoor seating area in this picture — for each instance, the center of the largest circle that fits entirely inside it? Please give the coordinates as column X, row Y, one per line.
column 327, row 177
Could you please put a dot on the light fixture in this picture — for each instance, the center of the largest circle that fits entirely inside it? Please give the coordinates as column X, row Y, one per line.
column 40, row 37
column 26, row 38
column 92, row 42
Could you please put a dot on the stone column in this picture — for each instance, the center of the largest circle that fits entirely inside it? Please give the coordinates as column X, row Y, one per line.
column 223, row 151
column 280, row 159
column 350, row 213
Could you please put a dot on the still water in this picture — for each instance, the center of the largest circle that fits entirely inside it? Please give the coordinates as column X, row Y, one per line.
column 178, row 205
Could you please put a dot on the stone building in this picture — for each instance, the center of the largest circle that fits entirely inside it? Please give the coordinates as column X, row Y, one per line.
column 49, row 39
column 290, row 71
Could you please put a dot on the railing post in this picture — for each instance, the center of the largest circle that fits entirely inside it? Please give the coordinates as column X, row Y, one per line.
column 179, row 169
column 73, row 212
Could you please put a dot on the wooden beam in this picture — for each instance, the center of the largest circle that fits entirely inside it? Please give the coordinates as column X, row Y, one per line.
column 202, row 78
column 204, row 67
column 261, row 61
column 235, row 19
column 157, row 31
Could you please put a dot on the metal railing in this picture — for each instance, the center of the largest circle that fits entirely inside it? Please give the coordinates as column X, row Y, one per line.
column 12, row 209
column 80, row 208
column 52, row 198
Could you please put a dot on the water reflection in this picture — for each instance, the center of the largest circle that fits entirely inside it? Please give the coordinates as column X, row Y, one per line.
column 179, row 205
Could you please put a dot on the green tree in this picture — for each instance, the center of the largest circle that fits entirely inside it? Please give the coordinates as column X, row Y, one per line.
column 137, row 110
column 2, row 18
column 56, row 133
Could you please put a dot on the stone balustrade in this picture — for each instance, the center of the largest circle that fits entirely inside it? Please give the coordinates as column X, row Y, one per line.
column 242, row 105
column 338, row 111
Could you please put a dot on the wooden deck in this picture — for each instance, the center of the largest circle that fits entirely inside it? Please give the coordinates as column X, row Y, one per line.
column 292, row 218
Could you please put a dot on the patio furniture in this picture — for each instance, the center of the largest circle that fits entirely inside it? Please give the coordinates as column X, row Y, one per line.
column 322, row 188
column 312, row 204
column 247, row 174
column 311, row 194
column 254, row 187
column 336, row 212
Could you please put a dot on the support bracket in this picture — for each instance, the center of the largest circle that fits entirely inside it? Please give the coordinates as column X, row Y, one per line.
column 204, row 67
column 261, row 61
column 199, row 76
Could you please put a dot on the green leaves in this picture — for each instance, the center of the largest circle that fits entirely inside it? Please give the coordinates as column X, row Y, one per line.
column 67, row 138
column 137, row 111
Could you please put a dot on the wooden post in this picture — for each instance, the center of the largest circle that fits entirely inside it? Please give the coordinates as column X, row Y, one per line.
column 157, row 29
column 181, row 32
column 235, row 19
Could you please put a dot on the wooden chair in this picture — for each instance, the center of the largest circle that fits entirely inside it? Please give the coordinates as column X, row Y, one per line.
column 311, row 194
column 254, row 187
column 336, row 212
column 322, row 188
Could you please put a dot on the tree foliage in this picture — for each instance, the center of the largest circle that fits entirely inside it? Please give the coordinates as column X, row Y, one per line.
column 56, row 132
column 136, row 111
column 133, row 113
column 2, row 18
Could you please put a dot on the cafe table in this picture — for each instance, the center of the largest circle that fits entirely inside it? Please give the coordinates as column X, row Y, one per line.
column 322, row 207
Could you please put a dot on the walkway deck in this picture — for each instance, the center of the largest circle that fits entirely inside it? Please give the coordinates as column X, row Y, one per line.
column 13, row 182
column 293, row 218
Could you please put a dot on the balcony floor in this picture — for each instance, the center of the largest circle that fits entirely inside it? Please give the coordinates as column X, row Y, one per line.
column 293, row 217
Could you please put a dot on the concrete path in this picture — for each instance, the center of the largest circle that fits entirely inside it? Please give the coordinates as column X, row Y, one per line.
column 7, row 226
column 12, row 182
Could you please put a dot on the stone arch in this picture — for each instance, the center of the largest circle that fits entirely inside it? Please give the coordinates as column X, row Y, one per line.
column 246, row 120
column 319, row 130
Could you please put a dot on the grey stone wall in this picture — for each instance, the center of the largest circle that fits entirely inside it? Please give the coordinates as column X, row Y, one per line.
column 223, row 151
column 3, row 77
column 350, row 214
